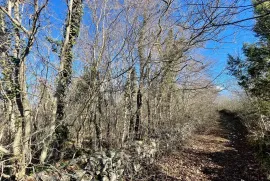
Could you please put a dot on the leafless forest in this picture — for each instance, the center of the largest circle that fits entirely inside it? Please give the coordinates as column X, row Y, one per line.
column 102, row 89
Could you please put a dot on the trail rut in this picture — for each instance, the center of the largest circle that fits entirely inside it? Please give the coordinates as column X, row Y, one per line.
column 221, row 155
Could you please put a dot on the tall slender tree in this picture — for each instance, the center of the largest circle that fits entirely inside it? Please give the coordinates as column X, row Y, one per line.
column 71, row 33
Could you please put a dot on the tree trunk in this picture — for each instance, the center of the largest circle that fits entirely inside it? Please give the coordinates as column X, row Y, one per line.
column 149, row 116
column 141, row 49
column 71, row 33
column 126, row 119
column 7, row 71
column 23, row 133
column 138, row 115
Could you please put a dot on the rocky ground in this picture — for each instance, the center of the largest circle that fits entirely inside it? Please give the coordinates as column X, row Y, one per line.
column 222, row 154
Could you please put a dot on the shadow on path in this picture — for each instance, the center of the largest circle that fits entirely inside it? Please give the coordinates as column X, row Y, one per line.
column 223, row 154
column 237, row 162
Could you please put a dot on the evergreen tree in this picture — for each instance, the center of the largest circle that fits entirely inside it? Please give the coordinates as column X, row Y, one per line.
column 253, row 73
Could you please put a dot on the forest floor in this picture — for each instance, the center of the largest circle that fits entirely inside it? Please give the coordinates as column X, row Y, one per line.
column 221, row 154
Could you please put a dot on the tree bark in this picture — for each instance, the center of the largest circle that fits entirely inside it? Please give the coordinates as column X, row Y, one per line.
column 141, row 49
column 21, row 146
column 71, row 33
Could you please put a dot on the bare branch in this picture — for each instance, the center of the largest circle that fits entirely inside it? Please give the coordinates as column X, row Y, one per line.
column 15, row 22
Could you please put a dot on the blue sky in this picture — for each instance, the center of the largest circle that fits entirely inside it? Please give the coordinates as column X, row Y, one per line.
column 232, row 44
column 235, row 37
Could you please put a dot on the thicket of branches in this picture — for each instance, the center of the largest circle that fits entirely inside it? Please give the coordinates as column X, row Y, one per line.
column 115, row 72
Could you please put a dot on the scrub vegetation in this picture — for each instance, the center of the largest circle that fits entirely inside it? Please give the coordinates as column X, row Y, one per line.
column 118, row 90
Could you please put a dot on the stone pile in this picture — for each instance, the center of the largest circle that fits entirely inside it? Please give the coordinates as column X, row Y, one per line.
column 143, row 153
column 104, row 166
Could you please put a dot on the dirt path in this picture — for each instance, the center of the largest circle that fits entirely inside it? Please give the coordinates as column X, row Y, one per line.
column 222, row 155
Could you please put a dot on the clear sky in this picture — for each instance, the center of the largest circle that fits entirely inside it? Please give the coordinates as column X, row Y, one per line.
column 235, row 37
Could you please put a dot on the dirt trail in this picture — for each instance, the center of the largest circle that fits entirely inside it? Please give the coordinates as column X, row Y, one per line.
column 221, row 155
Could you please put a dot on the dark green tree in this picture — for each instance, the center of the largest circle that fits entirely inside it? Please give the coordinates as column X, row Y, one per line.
column 253, row 72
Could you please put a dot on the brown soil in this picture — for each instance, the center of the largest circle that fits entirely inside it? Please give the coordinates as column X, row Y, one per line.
column 221, row 155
